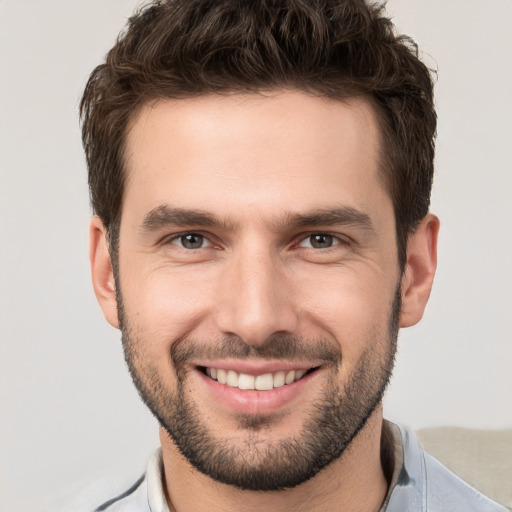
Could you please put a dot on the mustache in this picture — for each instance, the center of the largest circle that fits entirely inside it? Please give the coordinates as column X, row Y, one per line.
column 277, row 346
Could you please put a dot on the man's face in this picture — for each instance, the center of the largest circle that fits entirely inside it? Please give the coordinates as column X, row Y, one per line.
column 257, row 250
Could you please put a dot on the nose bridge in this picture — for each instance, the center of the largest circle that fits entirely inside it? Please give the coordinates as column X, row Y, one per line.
column 255, row 302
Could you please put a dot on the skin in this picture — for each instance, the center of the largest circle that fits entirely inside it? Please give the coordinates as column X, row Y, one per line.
column 254, row 162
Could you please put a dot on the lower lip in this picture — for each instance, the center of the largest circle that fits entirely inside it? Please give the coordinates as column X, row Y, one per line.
column 253, row 401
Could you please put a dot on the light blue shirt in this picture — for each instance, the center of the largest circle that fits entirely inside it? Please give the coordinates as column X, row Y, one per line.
column 419, row 483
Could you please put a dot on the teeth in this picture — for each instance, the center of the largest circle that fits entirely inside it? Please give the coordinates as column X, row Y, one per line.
column 221, row 376
column 245, row 381
column 232, row 379
column 263, row 382
column 290, row 377
column 299, row 374
column 279, row 379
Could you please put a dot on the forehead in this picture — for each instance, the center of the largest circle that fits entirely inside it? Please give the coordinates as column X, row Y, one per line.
column 283, row 150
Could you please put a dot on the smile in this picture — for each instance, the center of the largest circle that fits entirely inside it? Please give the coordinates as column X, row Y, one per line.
column 264, row 382
column 257, row 387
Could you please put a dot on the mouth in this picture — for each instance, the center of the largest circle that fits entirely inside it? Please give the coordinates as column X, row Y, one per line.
column 262, row 382
column 258, row 387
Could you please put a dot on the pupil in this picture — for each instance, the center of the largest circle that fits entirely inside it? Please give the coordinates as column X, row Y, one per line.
column 321, row 241
column 192, row 241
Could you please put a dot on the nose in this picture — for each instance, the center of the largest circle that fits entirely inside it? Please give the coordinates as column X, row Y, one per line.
column 255, row 300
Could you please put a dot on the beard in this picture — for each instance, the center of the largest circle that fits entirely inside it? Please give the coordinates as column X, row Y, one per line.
column 259, row 463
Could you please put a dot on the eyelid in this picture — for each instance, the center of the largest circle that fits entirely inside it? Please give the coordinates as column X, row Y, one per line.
column 210, row 239
column 337, row 237
column 171, row 239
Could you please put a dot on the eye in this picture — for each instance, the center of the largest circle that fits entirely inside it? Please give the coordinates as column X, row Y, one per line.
column 191, row 241
column 320, row 241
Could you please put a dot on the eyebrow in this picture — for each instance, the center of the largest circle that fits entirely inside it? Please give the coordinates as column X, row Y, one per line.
column 165, row 216
column 341, row 216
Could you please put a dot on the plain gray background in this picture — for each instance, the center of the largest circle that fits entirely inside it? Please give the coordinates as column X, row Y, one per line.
column 68, row 409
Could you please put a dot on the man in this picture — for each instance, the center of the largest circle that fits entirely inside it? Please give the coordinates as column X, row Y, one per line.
column 260, row 174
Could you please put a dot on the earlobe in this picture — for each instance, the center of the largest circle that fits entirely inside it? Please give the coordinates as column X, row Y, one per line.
column 101, row 270
column 419, row 270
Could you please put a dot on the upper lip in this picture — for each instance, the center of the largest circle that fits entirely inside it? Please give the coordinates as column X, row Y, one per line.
column 252, row 367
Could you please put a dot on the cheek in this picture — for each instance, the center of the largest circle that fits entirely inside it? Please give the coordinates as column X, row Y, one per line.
column 166, row 302
column 351, row 308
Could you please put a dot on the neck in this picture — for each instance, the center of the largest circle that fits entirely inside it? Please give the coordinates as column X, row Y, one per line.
column 354, row 483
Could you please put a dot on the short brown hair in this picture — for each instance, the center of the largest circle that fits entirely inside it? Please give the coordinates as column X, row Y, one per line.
column 333, row 48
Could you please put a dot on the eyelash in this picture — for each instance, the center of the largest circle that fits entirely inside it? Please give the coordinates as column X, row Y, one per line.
column 179, row 236
column 336, row 240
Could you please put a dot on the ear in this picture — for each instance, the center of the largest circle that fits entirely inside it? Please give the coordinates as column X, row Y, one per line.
column 101, row 270
column 419, row 270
